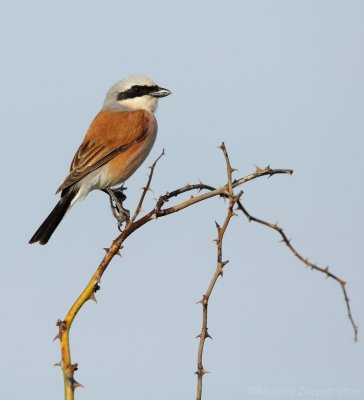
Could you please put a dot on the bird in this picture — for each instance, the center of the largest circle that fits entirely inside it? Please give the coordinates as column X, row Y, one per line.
column 117, row 142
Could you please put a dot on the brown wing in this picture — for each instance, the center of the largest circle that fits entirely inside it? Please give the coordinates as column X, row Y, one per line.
column 110, row 133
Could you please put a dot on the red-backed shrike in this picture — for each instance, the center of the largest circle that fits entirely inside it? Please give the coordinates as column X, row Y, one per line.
column 117, row 142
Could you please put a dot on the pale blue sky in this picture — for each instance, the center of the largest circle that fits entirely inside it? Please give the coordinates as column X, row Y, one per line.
column 281, row 82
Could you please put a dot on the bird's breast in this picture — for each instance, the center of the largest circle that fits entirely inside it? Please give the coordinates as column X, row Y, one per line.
column 123, row 165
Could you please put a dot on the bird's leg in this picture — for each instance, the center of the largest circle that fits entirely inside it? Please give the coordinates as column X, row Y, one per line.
column 117, row 197
column 112, row 205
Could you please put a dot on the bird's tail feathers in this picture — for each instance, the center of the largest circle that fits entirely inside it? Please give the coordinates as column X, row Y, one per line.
column 45, row 231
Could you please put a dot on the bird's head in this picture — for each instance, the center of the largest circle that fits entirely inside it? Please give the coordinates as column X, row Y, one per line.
column 136, row 92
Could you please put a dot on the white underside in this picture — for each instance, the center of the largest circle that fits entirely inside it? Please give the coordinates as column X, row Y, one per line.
column 94, row 180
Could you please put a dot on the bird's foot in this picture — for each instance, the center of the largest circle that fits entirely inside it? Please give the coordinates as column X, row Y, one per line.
column 117, row 197
column 124, row 216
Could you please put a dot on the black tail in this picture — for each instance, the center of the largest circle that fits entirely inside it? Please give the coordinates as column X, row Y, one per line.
column 45, row 231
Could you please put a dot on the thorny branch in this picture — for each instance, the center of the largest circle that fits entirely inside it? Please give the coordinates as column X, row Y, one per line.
column 145, row 189
column 218, row 272
column 159, row 210
column 306, row 261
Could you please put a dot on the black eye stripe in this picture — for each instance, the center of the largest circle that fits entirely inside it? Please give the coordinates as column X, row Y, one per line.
column 136, row 91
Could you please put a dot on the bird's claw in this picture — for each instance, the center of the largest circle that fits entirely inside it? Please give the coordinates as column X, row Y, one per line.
column 124, row 216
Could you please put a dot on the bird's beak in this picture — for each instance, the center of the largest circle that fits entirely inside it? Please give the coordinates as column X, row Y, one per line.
column 161, row 92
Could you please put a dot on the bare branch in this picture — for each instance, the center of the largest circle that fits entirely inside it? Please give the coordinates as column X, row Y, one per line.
column 146, row 188
column 221, row 191
column 229, row 170
column 218, row 272
column 306, row 261
column 159, row 210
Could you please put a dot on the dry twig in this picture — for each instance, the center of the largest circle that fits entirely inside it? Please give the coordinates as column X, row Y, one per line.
column 218, row 272
column 306, row 261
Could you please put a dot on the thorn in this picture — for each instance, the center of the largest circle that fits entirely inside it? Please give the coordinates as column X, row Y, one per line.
column 208, row 336
column 93, row 297
column 223, row 263
column 118, row 253
column 107, row 249
column 202, row 372
column 58, row 336
column 76, row 384
column 203, row 301
column 257, row 169
column 61, row 328
column 147, row 189
column 218, row 227
column 234, row 169
column 221, row 273
column 198, row 336
column 58, row 364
